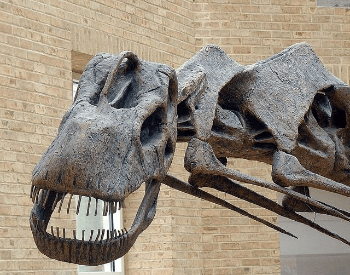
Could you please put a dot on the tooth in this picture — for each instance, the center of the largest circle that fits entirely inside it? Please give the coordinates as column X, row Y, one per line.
column 126, row 231
column 88, row 207
column 73, row 248
column 40, row 197
column 102, row 235
column 31, row 191
column 64, row 233
column 122, row 204
column 55, row 201
column 115, row 233
column 82, row 235
column 92, row 233
column 47, row 197
column 119, row 234
column 70, row 199
column 52, row 231
column 98, row 235
column 33, row 195
column 58, row 232
column 37, row 195
column 107, row 235
column 59, row 208
column 105, row 208
column 78, row 206
column 96, row 207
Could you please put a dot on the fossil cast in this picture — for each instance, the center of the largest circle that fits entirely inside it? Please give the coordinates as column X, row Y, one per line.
column 128, row 114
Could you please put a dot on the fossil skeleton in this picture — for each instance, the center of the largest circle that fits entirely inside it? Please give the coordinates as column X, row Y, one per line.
column 128, row 114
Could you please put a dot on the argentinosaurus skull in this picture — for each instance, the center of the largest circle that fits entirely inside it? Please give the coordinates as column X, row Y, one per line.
column 120, row 132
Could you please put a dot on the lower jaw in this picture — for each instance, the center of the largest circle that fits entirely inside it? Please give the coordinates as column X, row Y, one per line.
column 92, row 252
column 95, row 251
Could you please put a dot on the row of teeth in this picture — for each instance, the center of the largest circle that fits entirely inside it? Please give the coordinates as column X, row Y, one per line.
column 41, row 196
column 94, row 250
column 110, row 234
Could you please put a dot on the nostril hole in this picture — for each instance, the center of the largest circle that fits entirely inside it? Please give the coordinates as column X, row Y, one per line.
column 338, row 117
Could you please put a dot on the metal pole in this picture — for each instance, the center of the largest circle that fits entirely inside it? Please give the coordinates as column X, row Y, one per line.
column 111, row 228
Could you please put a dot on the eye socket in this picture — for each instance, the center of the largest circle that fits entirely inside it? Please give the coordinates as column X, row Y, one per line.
column 151, row 129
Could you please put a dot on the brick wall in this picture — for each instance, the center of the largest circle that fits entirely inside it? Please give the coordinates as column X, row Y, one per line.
column 35, row 79
column 252, row 30
column 41, row 42
column 249, row 31
column 36, row 43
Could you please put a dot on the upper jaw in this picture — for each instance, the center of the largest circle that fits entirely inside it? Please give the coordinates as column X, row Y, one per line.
column 92, row 156
column 93, row 249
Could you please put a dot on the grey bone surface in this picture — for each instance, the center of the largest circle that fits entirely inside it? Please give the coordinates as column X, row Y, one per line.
column 128, row 114
column 200, row 80
column 120, row 132
column 200, row 159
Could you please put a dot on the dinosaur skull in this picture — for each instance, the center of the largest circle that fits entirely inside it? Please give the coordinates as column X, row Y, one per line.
column 287, row 110
column 287, row 103
column 120, row 132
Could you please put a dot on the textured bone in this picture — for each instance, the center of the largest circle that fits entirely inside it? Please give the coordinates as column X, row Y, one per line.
column 299, row 206
column 331, row 109
column 200, row 80
column 279, row 91
column 120, row 132
column 200, row 159
column 188, row 189
column 228, row 186
column 287, row 171
column 315, row 148
column 110, row 142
